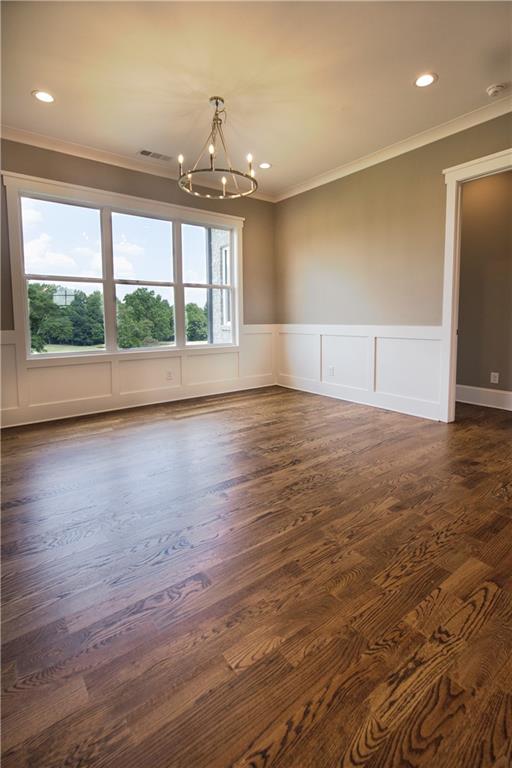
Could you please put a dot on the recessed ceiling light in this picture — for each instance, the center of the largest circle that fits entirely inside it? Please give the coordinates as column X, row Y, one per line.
column 426, row 79
column 265, row 166
column 43, row 96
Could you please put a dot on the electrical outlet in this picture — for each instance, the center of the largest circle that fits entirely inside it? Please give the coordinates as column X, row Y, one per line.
column 169, row 376
column 495, row 377
column 330, row 370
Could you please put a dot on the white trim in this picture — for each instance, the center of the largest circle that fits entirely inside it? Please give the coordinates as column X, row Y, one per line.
column 261, row 359
column 380, row 331
column 67, row 409
column 50, row 188
column 225, row 368
column 155, row 168
column 305, row 354
column 461, row 123
column 491, row 398
column 454, row 178
column 424, row 409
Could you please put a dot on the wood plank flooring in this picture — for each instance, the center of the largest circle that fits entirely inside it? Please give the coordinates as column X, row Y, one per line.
column 267, row 578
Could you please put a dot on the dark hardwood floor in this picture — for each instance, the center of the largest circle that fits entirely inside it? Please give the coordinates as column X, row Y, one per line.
column 269, row 578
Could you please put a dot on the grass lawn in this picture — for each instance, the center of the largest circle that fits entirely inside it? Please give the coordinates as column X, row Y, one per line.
column 52, row 348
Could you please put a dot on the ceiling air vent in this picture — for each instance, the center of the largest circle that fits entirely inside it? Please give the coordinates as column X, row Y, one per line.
column 155, row 155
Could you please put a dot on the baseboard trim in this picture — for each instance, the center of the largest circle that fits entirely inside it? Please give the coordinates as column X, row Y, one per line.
column 424, row 409
column 21, row 417
column 490, row 398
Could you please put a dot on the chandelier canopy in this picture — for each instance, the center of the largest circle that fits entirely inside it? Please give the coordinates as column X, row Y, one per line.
column 213, row 175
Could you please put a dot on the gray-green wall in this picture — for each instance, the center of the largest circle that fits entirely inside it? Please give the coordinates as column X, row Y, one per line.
column 258, row 266
column 485, row 303
column 369, row 248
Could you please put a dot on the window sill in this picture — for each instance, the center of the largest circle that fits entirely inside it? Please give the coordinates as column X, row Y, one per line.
column 64, row 358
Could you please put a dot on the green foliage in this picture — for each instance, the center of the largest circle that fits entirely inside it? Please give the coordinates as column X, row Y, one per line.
column 86, row 316
column 197, row 323
column 79, row 323
column 48, row 323
column 144, row 318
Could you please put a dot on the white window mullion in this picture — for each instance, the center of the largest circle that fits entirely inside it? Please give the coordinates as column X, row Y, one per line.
column 179, row 291
column 109, row 292
column 234, row 277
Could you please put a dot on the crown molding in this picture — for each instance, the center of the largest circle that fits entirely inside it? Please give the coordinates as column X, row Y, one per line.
column 461, row 123
column 98, row 155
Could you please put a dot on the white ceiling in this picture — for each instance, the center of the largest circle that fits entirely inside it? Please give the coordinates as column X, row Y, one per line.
column 308, row 86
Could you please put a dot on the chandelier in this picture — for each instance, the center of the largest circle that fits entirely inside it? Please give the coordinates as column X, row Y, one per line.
column 213, row 170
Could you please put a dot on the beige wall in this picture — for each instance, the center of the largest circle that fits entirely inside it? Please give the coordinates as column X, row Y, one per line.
column 258, row 228
column 368, row 248
column 485, row 307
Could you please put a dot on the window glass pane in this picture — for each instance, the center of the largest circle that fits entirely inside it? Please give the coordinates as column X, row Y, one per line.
column 60, row 239
column 193, row 246
column 65, row 316
column 206, row 255
column 221, row 256
column 145, row 316
column 208, row 316
column 142, row 248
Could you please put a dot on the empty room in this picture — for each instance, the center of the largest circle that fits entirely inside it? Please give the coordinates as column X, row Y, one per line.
column 256, row 384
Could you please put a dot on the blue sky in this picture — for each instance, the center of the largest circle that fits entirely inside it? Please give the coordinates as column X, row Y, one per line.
column 65, row 240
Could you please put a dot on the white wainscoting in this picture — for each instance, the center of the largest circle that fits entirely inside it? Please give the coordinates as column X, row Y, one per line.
column 54, row 388
column 393, row 367
column 491, row 398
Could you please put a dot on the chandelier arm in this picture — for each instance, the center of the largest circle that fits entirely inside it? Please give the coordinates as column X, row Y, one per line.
column 230, row 164
column 207, row 142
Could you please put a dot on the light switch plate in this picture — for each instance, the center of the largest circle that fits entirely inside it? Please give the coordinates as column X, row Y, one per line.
column 495, row 377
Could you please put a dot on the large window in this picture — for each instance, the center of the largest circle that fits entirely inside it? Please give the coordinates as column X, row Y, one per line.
column 98, row 279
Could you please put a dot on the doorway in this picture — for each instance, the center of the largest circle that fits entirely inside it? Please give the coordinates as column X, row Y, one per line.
column 455, row 179
column 484, row 341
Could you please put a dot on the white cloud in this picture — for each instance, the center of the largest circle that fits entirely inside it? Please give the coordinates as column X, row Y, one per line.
column 89, row 260
column 124, row 252
column 31, row 216
column 126, row 248
column 124, row 268
column 39, row 257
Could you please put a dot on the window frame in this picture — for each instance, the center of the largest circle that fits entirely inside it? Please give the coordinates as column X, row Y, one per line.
column 227, row 270
column 20, row 185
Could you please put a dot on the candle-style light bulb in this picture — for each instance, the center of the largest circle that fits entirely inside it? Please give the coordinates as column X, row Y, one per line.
column 180, row 161
column 224, row 182
column 211, row 150
column 189, row 177
column 249, row 160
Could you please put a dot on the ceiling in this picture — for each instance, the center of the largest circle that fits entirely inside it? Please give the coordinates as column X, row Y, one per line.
column 309, row 86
